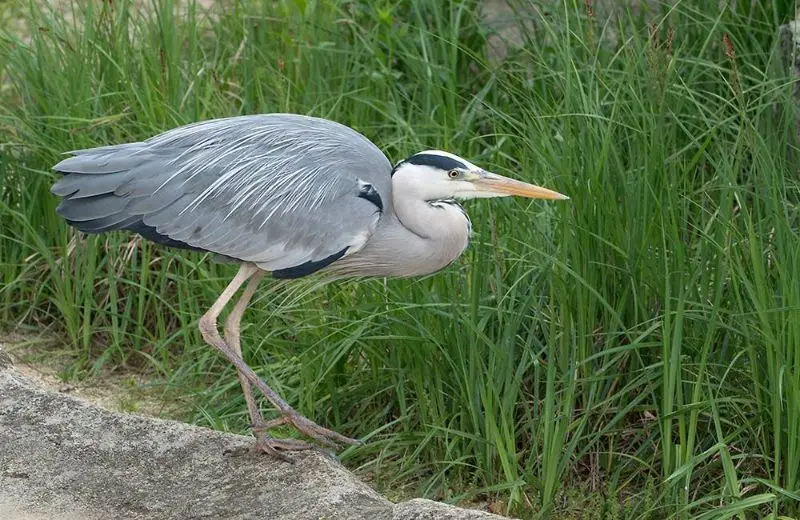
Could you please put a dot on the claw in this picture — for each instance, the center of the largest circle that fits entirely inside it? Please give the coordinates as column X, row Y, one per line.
column 307, row 427
column 320, row 434
column 273, row 447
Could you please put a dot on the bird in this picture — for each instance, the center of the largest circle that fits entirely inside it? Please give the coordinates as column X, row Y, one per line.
column 286, row 195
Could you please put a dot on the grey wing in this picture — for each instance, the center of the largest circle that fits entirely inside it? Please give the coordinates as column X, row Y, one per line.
column 288, row 193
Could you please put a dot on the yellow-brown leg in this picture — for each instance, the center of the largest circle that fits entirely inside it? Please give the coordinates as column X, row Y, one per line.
column 232, row 325
column 232, row 339
column 208, row 329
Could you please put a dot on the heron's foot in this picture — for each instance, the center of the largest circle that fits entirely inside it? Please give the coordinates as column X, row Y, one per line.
column 276, row 447
column 307, row 427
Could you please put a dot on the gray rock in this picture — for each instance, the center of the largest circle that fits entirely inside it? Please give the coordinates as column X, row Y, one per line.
column 67, row 459
column 421, row 509
column 5, row 360
column 506, row 28
column 510, row 22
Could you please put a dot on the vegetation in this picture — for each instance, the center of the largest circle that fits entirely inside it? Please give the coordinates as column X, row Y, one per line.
column 631, row 353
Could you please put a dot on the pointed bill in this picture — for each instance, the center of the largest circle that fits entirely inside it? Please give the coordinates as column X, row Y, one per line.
column 502, row 186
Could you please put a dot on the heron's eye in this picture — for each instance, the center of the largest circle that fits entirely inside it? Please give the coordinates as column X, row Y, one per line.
column 453, row 174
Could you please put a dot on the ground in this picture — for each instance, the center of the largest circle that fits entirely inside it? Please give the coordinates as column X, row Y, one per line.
column 39, row 359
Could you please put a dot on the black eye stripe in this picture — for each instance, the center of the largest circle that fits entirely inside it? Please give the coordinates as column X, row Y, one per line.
column 436, row 161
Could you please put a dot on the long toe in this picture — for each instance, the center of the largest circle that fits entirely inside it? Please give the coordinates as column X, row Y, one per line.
column 307, row 427
column 290, row 444
column 276, row 447
column 320, row 434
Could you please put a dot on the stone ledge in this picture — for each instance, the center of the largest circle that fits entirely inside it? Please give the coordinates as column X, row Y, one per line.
column 67, row 459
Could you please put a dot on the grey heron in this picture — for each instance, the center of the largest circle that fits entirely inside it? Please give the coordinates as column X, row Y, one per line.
column 284, row 194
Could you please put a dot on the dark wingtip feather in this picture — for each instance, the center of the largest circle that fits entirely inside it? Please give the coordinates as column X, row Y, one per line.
column 90, row 208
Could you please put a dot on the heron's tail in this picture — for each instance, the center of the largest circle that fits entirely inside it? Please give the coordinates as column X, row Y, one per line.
column 99, row 185
column 91, row 187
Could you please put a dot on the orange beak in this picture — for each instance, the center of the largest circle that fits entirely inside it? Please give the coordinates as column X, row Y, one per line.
column 503, row 186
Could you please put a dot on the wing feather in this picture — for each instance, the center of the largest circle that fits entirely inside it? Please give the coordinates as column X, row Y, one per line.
column 278, row 190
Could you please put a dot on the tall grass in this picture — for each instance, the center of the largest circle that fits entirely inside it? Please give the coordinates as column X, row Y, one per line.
column 633, row 353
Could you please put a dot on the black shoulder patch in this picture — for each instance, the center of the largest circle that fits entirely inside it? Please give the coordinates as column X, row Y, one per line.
column 436, row 161
column 369, row 192
column 309, row 267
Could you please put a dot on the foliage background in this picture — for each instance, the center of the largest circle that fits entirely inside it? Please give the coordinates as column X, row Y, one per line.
column 633, row 353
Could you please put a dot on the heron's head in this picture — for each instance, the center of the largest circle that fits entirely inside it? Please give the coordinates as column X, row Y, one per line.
column 437, row 175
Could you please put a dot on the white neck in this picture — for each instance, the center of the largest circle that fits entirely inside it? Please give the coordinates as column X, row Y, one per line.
column 439, row 222
column 439, row 232
column 414, row 238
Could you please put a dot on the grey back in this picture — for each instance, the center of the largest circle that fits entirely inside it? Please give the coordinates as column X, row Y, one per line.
column 283, row 191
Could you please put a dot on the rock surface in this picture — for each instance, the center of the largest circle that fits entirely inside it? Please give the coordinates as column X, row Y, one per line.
column 509, row 21
column 66, row 459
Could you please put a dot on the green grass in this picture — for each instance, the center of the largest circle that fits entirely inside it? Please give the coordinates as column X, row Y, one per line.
column 632, row 353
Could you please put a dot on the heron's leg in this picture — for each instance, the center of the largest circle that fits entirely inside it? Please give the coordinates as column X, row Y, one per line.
column 232, row 339
column 208, row 329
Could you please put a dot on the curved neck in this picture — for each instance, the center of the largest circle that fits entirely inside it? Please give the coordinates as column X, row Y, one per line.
column 414, row 238
column 436, row 221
